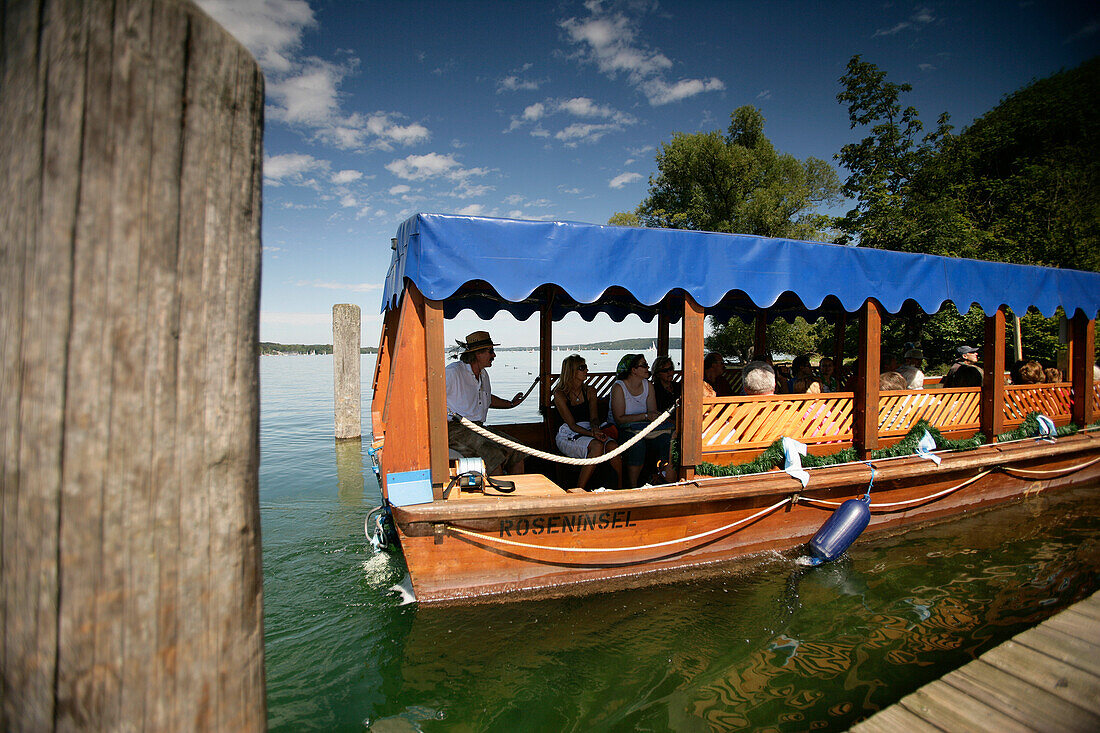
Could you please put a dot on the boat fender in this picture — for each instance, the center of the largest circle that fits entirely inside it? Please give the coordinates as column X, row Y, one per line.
column 841, row 529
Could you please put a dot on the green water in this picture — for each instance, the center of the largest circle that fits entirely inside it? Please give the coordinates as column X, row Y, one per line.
column 768, row 646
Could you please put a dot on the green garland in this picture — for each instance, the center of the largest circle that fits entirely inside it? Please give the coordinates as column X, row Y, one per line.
column 772, row 456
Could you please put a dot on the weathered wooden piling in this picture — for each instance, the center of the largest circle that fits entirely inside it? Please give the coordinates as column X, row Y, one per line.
column 346, row 348
column 130, row 166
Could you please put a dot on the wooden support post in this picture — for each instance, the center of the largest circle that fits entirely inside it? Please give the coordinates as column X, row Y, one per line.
column 865, row 414
column 760, row 340
column 434, row 357
column 346, row 349
column 992, row 418
column 131, row 146
column 691, row 410
column 662, row 333
column 1082, row 331
column 546, row 352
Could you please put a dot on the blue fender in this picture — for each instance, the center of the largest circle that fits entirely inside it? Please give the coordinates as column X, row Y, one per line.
column 841, row 529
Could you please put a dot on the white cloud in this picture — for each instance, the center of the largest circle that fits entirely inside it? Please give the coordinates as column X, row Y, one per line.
column 387, row 131
column 291, row 167
column 916, row 22
column 346, row 176
column 431, row 165
column 659, row 92
column 624, row 178
column 270, row 29
column 534, row 112
column 584, row 107
column 471, row 210
column 582, row 132
column 516, row 84
column 609, row 40
column 399, row 189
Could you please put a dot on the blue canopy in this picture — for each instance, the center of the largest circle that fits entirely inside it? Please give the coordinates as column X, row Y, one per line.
column 488, row 265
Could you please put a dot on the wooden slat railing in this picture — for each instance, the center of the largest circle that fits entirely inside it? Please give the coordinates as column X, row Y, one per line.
column 602, row 382
column 1053, row 400
column 737, row 423
column 1096, row 399
column 946, row 409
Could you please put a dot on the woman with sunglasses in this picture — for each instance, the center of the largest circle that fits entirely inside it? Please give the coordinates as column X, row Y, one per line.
column 633, row 406
column 576, row 404
column 667, row 391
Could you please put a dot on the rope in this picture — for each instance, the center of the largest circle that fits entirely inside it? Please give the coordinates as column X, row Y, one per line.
column 888, row 505
column 565, row 459
column 1054, row 472
column 502, row 541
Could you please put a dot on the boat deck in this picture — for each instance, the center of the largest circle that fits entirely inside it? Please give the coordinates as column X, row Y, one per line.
column 528, row 485
column 1047, row 678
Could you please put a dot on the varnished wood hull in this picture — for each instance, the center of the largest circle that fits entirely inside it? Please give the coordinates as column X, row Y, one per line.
column 511, row 546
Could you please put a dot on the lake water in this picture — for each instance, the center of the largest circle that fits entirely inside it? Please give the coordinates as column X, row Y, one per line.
column 770, row 646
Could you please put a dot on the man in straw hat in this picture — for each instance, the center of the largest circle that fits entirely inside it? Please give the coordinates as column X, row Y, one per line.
column 470, row 395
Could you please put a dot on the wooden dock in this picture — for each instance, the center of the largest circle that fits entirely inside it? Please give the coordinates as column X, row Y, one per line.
column 1045, row 679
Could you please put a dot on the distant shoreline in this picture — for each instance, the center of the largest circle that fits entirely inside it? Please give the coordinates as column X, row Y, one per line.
column 634, row 344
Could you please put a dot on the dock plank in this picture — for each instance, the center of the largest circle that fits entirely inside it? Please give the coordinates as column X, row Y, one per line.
column 1019, row 698
column 895, row 718
column 1076, row 624
column 1049, row 673
column 947, row 707
column 1063, row 646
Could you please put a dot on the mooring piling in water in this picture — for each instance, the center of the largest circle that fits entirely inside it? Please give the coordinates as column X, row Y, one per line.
column 346, row 347
column 130, row 160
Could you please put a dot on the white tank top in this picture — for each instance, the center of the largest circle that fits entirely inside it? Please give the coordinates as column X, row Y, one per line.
column 632, row 404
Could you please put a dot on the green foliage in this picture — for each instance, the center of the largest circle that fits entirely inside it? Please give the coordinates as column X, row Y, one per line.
column 737, row 182
column 625, row 219
column 736, row 337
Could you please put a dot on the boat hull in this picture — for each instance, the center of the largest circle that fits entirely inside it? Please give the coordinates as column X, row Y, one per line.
column 485, row 549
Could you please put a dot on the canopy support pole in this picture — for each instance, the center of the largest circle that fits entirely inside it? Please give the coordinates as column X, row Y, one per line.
column 691, row 412
column 760, row 340
column 662, row 334
column 992, row 421
column 546, row 352
column 865, row 415
column 434, row 349
column 1082, row 340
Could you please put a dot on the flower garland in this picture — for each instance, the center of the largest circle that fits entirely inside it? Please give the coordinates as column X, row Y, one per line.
column 772, row 456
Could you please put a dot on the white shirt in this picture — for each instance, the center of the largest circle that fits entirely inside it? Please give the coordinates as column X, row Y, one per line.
column 467, row 395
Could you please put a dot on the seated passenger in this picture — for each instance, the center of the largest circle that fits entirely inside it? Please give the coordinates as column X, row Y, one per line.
column 967, row 356
column 714, row 366
column 914, row 377
column 758, row 378
column 633, row 406
column 1030, row 372
column 470, row 396
column 667, row 391
column 829, row 381
column 800, row 370
column 576, row 404
column 968, row 375
column 807, row 385
column 890, row 381
column 1052, row 375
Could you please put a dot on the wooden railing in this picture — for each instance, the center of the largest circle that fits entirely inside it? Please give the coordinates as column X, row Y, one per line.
column 1096, row 400
column 737, row 423
column 946, row 409
column 1053, row 400
column 602, row 382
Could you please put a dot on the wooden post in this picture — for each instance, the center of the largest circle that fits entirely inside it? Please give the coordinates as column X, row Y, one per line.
column 346, row 349
column 1082, row 331
column 546, row 352
column 691, row 410
column 130, row 570
column 865, row 414
column 992, row 417
column 434, row 358
column 760, row 340
column 662, row 333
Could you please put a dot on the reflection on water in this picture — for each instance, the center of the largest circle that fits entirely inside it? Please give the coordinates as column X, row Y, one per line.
column 769, row 646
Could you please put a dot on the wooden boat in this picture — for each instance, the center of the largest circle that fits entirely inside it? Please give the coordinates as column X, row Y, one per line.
column 551, row 538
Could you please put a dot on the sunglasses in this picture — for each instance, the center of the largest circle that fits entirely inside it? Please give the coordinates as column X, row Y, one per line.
column 582, row 368
column 664, row 370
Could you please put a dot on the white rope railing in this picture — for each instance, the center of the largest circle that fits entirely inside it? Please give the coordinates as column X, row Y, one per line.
column 1029, row 472
column 653, row 546
column 560, row 458
column 888, row 505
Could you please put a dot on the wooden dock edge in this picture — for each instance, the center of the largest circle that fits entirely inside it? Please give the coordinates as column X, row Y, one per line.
column 1046, row 678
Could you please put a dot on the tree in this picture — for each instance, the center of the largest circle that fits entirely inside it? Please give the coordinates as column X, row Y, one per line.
column 737, row 182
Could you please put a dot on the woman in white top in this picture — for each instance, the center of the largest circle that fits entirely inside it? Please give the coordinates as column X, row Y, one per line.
column 633, row 406
column 576, row 404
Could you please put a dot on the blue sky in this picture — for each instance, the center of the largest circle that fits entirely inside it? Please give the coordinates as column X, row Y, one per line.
column 554, row 110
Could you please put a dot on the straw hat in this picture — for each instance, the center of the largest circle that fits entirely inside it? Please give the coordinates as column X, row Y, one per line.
column 476, row 341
